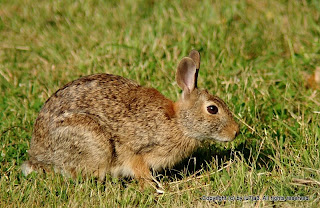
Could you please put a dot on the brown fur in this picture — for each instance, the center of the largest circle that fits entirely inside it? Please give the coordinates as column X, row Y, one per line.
column 313, row 81
column 104, row 123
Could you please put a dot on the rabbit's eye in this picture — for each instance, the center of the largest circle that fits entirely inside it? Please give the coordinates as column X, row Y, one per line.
column 212, row 109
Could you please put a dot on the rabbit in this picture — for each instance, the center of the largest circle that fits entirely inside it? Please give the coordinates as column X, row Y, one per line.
column 106, row 124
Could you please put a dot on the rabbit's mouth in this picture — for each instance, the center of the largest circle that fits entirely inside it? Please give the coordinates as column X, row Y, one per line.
column 215, row 138
column 228, row 134
column 225, row 136
column 223, row 139
column 218, row 137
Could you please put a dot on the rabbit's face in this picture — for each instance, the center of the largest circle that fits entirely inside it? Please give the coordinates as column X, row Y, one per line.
column 204, row 116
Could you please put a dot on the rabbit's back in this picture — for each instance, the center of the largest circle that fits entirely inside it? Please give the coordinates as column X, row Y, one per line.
column 90, row 94
column 112, row 100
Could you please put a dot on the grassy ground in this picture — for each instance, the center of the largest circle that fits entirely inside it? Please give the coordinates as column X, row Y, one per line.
column 253, row 56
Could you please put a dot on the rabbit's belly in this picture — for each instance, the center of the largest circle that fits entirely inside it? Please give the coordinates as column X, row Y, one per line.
column 121, row 171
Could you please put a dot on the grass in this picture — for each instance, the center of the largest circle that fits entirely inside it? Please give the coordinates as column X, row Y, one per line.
column 253, row 55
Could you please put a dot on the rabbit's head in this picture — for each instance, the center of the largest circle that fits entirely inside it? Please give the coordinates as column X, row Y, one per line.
column 200, row 114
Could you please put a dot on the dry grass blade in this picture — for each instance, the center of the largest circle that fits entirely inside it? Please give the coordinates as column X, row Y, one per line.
column 189, row 189
column 305, row 181
column 193, row 176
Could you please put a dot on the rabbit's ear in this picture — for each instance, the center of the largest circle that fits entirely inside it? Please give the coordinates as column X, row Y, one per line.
column 186, row 75
column 195, row 56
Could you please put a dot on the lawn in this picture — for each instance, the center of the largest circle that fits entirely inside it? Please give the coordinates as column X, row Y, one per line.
column 254, row 55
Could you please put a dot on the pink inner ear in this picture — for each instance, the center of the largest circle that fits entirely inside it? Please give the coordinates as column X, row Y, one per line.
column 186, row 74
column 189, row 79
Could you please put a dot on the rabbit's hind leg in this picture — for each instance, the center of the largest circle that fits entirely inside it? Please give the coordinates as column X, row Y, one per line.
column 84, row 147
column 75, row 143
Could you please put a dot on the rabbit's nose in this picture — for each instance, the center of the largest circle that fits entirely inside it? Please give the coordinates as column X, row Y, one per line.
column 237, row 131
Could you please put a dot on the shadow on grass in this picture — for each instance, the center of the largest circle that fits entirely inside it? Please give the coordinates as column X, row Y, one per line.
column 204, row 158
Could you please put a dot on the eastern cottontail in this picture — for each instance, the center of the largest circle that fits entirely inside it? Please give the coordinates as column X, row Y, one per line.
column 105, row 123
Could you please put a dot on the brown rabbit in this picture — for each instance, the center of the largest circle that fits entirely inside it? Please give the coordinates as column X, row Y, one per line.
column 105, row 123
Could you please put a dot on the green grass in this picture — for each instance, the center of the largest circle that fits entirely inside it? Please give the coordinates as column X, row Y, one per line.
column 253, row 55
